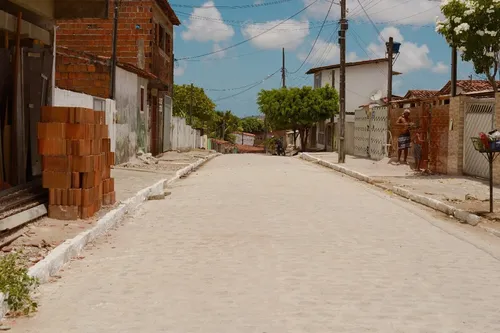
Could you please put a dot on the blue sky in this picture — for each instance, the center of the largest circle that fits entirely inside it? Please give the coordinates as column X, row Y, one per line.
column 208, row 26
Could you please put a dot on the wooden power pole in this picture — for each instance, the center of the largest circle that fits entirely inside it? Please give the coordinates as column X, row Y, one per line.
column 342, row 43
column 283, row 75
column 453, row 71
column 390, row 54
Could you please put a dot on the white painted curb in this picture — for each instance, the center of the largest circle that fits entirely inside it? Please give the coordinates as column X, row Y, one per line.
column 63, row 253
column 461, row 215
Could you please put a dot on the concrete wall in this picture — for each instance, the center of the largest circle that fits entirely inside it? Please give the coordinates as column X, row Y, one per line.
column 8, row 22
column 244, row 139
column 69, row 98
column 127, row 106
column 182, row 136
column 361, row 81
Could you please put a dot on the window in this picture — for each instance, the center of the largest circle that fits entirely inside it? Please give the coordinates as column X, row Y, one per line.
column 168, row 42
column 161, row 37
column 143, row 98
column 333, row 78
column 317, row 80
column 99, row 104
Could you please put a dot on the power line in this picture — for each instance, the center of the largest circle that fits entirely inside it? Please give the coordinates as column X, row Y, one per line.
column 254, row 5
column 316, row 40
column 369, row 18
column 249, row 39
column 251, row 87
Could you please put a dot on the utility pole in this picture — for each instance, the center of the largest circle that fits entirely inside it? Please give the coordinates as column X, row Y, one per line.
column 390, row 51
column 342, row 43
column 453, row 71
column 191, row 107
column 114, row 57
column 283, row 73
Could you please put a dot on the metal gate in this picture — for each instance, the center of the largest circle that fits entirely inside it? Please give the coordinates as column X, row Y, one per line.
column 479, row 117
column 370, row 132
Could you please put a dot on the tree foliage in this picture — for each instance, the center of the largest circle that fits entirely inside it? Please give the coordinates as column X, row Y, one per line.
column 223, row 124
column 473, row 27
column 298, row 109
column 203, row 109
column 252, row 125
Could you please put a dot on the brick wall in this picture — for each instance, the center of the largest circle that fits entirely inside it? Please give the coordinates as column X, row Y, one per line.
column 83, row 73
column 437, row 121
column 135, row 33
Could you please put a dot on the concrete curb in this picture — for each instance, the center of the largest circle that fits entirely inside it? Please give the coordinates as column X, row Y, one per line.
column 63, row 253
column 461, row 215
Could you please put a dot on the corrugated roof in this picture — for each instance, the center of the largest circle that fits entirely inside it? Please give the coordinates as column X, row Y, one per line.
column 350, row 64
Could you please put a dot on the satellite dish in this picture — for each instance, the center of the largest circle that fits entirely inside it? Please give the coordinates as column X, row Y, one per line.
column 376, row 97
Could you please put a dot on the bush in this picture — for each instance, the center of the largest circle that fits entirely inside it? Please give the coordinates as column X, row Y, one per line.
column 17, row 285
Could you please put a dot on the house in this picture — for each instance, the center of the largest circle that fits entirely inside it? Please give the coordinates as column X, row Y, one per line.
column 467, row 86
column 144, row 45
column 363, row 79
column 83, row 80
column 26, row 84
column 242, row 138
column 411, row 94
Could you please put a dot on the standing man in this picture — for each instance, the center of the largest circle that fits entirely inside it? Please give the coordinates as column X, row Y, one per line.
column 404, row 139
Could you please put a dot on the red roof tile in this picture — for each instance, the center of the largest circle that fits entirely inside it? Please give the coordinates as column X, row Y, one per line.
column 468, row 86
column 420, row 94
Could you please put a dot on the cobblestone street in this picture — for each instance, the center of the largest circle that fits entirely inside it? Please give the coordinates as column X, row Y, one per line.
column 254, row 244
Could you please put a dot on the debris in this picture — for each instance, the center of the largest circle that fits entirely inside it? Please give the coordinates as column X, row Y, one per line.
column 7, row 249
column 156, row 197
column 4, row 328
column 470, row 197
column 10, row 241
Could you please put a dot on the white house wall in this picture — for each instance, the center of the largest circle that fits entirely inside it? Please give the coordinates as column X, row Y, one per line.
column 361, row 81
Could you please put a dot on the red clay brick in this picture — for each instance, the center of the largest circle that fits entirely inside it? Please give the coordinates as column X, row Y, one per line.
column 52, row 179
column 106, row 145
column 80, row 131
column 52, row 196
column 110, row 159
column 51, row 130
column 52, row 147
column 55, row 114
column 109, row 199
column 56, row 163
column 99, row 117
column 75, row 180
column 60, row 212
column 76, row 197
column 91, row 179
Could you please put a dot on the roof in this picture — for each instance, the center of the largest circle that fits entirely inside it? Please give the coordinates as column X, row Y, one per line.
column 468, row 86
column 169, row 11
column 420, row 94
column 350, row 64
column 136, row 70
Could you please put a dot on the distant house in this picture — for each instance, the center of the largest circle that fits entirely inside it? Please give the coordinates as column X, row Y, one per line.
column 363, row 78
column 467, row 86
column 242, row 138
column 411, row 94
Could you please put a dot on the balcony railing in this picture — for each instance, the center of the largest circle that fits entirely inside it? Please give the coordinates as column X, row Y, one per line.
column 162, row 65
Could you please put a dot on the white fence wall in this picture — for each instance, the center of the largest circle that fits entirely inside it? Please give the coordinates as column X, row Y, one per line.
column 244, row 139
column 370, row 133
column 70, row 98
column 182, row 136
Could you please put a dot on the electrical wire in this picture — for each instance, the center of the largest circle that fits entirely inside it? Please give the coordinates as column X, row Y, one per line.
column 251, row 38
column 254, row 5
column 316, row 40
column 369, row 18
column 251, row 87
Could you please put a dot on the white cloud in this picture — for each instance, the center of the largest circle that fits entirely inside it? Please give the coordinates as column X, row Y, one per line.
column 440, row 68
column 180, row 68
column 292, row 33
column 322, row 53
column 352, row 56
column 392, row 11
column 220, row 54
column 412, row 56
column 204, row 30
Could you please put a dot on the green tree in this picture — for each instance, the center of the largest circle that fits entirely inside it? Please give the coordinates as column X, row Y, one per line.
column 223, row 124
column 252, row 125
column 298, row 109
column 473, row 27
column 203, row 108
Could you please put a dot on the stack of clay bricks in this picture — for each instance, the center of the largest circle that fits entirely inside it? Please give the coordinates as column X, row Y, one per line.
column 76, row 161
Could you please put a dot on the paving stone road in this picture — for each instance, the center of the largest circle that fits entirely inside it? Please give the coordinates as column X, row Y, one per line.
column 267, row 244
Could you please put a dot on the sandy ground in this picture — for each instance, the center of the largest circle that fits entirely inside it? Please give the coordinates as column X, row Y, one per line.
column 254, row 243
